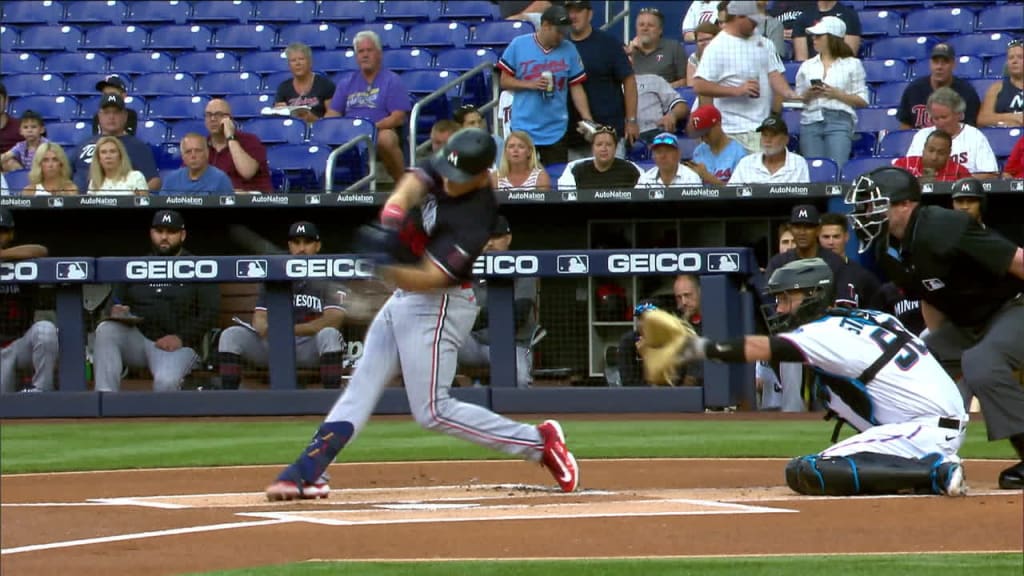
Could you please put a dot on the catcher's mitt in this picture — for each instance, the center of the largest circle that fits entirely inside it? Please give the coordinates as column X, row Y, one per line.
column 662, row 339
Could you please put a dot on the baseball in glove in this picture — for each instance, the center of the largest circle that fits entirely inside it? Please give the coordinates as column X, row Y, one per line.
column 662, row 340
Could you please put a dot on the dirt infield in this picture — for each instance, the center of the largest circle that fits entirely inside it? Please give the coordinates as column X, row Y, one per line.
column 189, row 520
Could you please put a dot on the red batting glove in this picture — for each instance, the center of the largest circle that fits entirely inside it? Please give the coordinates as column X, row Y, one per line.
column 392, row 216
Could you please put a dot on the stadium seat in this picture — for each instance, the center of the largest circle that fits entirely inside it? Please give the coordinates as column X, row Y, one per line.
column 889, row 94
column 391, row 35
column 342, row 78
column 142, row 63
column 905, row 47
column 437, row 34
column 409, row 11
column 94, row 12
column 49, row 39
column 302, row 164
column 244, row 37
column 88, row 105
column 687, row 94
column 233, row 12
column 337, row 131
column 880, row 23
column 996, row 67
column 823, row 170
column 168, row 157
column 21, row 63
column 181, row 127
column 889, row 70
column 404, row 59
column 263, row 62
column 68, row 134
column 316, row 35
column 1009, row 17
column 791, row 116
column 180, row 37
column 153, row 132
column 129, row 38
column 791, row 69
column 348, row 12
column 277, row 130
column 23, row 12
column 497, row 35
column 170, row 108
column 967, row 67
column 939, row 20
column 58, row 108
column 249, row 105
column 158, row 12
column 335, row 61
column 164, row 84
column 984, row 45
column 687, row 146
column 981, row 85
column 470, row 11
column 273, row 80
column 464, row 58
column 200, row 63
column 9, row 39
column 864, row 144
column 895, row 143
column 857, row 166
column 1002, row 140
column 17, row 180
column 226, row 83
column 283, row 11
column 32, row 84
column 877, row 119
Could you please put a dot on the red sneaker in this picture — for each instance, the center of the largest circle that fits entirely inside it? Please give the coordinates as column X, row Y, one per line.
column 557, row 458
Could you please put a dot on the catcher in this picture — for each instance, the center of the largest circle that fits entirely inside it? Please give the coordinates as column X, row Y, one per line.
column 871, row 372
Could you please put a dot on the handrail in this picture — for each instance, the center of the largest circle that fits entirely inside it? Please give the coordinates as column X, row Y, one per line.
column 483, row 109
column 414, row 116
column 621, row 15
column 370, row 178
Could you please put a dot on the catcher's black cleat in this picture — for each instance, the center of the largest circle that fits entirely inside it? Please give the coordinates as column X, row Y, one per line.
column 1012, row 478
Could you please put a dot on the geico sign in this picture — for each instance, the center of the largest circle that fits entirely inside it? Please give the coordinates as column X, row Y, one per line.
column 18, row 271
column 170, row 269
column 664, row 262
column 328, row 268
column 503, row 264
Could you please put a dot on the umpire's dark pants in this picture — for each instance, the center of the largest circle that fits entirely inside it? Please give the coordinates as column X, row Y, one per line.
column 987, row 359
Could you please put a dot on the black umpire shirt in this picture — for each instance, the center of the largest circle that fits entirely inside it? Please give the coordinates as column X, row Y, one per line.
column 949, row 261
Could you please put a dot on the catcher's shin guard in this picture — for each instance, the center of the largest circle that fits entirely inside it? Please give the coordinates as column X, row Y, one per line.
column 329, row 439
column 868, row 473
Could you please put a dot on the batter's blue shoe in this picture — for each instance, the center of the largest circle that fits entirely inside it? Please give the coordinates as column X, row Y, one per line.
column 557, row 458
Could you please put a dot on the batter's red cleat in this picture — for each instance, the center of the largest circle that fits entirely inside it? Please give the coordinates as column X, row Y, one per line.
column 557, row 458
column 287, row 490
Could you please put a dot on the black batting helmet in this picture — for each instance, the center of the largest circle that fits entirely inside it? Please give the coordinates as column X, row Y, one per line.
column 467, row 153
column 813, row 277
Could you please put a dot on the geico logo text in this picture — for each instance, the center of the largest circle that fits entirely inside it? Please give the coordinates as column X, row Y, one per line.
column 328, row 268
column 18, row 271
column 664, row 262
column 503, row 264
column 170, row 269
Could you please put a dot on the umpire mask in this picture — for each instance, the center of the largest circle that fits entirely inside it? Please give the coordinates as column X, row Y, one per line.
column 870, row 198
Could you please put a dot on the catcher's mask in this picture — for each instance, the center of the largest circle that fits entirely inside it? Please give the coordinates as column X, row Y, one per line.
column 813, row 277
column 870, row 198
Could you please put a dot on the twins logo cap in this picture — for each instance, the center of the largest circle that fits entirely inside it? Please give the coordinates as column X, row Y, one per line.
column 703, row 119
column 170, row 219
column 304, row 229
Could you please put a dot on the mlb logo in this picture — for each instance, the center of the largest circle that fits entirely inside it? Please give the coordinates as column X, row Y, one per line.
column 927, row 188
column 142, row 200
column 933, row 284
column 55, row 202
column 251, row 269
column 655, row 194
column 227, row 200
column 574, row 264
column 833, row 190
column 724, row 262
column 1017, row 186
column 312, row 199
column 745, row 192
column 569, row 196
column 74, row 270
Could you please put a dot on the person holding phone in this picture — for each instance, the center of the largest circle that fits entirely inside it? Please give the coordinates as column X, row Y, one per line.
column 238, row 154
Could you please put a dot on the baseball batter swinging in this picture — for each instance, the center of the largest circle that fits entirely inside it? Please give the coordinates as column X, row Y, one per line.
column 431, row 230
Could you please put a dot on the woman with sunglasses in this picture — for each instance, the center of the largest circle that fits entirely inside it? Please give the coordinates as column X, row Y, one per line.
column 603, row 169
column 520, row 168
column 1004, row 101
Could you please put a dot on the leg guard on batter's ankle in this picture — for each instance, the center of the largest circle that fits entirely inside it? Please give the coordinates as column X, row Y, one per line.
column 331, row 367
column 867, row 473
column 329, row 439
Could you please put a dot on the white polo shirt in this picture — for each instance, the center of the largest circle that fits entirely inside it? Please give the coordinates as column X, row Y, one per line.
column 732, row 61
column 970, row 148
column 684, row 177
column 751, row 170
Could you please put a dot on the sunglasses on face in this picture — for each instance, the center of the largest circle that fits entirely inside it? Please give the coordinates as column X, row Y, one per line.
column 1015, row 42
column 604, row 129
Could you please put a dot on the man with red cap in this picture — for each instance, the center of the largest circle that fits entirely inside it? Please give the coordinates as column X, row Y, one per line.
column 717, row 155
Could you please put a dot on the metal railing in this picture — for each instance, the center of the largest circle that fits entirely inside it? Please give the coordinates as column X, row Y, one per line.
column 622, row 15
column 414, row 116
column 370, row 178
column 483, row 109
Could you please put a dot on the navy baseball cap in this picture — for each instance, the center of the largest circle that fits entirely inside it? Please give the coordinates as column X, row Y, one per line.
column 805, row 214
column 304, row 229
column 112, row 100
column 968, row 188
column 112, row 80
column 773, row 124
column 501, row 226
column 6, row 218
column 169, row 219
column 665, row 139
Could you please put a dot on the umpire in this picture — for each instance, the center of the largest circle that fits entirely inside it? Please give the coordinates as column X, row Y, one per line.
column 971, row 285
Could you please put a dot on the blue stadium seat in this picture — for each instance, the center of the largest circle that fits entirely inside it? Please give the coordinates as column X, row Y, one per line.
column 877, row 119
column 996, row 67
column 69, row 134
column 9, row 39
column 244, row 37
column 857, row 166
column 283, row 11
column 335, row 61
column 1002, row 140
column 32, row 84
column 687, row 94
column 348, row 12
column 391, row 35
column 273, row 80
column 152, row 132
column 437, row 34
column 497, row 35
column 939, row 20
column 895, row 143
column 20, row 63
column 225, row 83
column 180, row 37
column 409, row 11
column 337, row 131
column 181, row 127
column 249, row 105
column 687, row 146
column 199, row 63
column 115, row 37
column 889, row 70
column 984, row 45
column 1009, row 17
column 889, row 94
column 17, row 180
column 791, row 69
column 314, row 35
column 234, row 12
column 88, row 105
column 50, row 39
column 142, row 63
column 303, row 165
column 905, row 47
column 823, row 170
column 880, row 23
column 94, row 12
column 277, row 130
column 85, row 84
column 168, row 157
column 158, row 12
column 791, row 116
column 58, row 108
column 342, row 78
column 420, row 83
column 981, row 85
column 20, row 12
column 263, row 62
column 464, row 58
column 967, row 67
column 864, row 144
column 470, row 10
column 164, row 84
column 404, row 59
column 169, row 108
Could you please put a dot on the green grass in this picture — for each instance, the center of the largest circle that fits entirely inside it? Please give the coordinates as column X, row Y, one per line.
column 49, row 447
column 889, row 565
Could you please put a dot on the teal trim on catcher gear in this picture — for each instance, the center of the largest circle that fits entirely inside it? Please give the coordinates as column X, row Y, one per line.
column 870, row 473
column 329, row 439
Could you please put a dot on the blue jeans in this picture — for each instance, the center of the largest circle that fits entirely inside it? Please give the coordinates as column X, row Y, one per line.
column 829, row 138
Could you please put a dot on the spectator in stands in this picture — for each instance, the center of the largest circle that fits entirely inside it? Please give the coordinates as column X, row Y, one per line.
column 652, row 53
column 786, row 238
column 378, row 94
column 238, row 154
column 1015, row 163
column 112, row 118
column 969, row 197
column 603, row 169
column 774, row 164
column 196, row 176
column 526, row 10
column 861, row 285
column 318, row 310
column 50, row 174
column 20, row 156
column 659, row 107
column 832, row 84
column 543, row 70
column 156, row 325
column 10, row 131
column 441, row 131
column 699, row 12
column 717, row 155
column 813, row 12
column 520, row 167
column 970, row 147
column 667, row 171
column 610, row 85
column 913, row 110
column 935, row 164
column 113, row 84
column 1004, row 101
column 111, row 171
column 706, row 32
column 685, row 303
column 306, row 88
column 742, row 74
column 467, row 116
column 787, row 12
column 24, row 343
column 771, row 28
